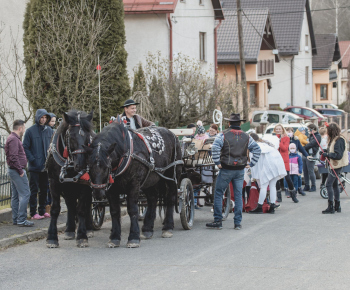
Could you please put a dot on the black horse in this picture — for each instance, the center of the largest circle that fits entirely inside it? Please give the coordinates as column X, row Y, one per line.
column 65, row 162
column 124, row 162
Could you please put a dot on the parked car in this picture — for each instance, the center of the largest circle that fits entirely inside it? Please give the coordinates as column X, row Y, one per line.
column 324, row 106
column 295, row 126
column 274, row 116
column 304, row 112
column 330, row 112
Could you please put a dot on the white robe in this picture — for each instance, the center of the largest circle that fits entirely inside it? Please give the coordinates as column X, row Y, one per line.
column 269, row 166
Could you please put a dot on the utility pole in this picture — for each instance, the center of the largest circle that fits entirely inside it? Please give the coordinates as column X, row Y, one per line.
column 242, row 62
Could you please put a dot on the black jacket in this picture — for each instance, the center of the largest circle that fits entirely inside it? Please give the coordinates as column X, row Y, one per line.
column 36, row 142
column 312, row 147
column 300, row 147
column 339, row 148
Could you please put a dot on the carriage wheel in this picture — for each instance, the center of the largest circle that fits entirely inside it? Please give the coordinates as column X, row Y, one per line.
column 142, row 210
column 226, row 203
column 324, row 193
column 187, row 206
column 98, row 214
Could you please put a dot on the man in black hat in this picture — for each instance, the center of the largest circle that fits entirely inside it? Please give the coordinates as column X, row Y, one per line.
column 230, row 154
column 130, row 117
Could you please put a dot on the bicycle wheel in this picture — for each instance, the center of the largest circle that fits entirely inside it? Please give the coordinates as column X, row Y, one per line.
column 226, row 203
column 324, row 193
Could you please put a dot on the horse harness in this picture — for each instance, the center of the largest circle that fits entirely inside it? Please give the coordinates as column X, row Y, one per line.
column 64, row 160
column 150, row 164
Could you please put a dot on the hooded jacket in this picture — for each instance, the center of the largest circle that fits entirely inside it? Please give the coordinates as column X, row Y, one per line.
column 295, row 164
column 37, row 141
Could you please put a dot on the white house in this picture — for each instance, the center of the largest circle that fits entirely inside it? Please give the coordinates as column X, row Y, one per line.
column 292, row 81
column 171, row 27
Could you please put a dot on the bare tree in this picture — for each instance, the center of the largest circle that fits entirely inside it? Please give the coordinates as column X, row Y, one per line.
column 187, row 94
column 13, row 99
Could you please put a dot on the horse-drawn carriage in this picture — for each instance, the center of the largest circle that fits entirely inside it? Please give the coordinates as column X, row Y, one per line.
column 117, row 164
column 198, row 174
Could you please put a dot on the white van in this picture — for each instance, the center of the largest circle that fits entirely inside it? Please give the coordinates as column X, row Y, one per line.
column 274, row 116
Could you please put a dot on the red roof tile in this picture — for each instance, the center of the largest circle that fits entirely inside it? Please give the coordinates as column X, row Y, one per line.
column 344, row 45
column 149, row 6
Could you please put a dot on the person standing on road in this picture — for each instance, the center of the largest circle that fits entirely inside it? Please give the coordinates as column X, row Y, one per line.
column 36, row 143
column 230, row 154
column 267, row 171
column 324, row 146
column 337, row 154
column 295, row 140
column 308, row 165
column 295, row 164
column 17, row 161
column 284, row 151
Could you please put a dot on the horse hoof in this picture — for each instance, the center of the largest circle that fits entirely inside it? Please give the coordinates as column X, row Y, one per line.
column 82, row 243
column 69, row 235
column 133, row 244
column 113, row 243
column 52, row 244
column 90, row 234
column 167, row 234
column 146, row 235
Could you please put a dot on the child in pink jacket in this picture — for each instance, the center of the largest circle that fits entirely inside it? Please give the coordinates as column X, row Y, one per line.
column 295, row 164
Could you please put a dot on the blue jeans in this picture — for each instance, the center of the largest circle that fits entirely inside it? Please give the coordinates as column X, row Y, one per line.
column 296, row 185
column 20, row 196
column 222, row 182
column 295, row 180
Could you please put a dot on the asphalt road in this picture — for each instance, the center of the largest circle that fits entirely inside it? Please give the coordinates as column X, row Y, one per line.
column 297, row 248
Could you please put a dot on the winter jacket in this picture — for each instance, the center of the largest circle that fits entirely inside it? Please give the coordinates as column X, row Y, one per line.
column 295, row 163
column 37, row 141
column 312, row 147
column 338, row 153
column 300, row 148
column 302, row 137
column 139, row 121
column 15, row 155
column 284, row 150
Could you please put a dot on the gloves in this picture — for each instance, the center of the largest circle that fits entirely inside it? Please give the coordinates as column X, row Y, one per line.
column 325, row 155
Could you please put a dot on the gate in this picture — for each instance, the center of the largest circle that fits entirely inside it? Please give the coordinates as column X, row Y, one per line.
column 5, row 187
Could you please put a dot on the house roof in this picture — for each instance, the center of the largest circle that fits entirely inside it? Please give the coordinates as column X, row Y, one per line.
column 327, row 51
column 162, row 6
column 254, row 25
column 149, row 6
column 345, row 53
column 287, row 19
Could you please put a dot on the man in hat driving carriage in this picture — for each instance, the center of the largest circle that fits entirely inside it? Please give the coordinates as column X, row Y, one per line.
column 130, row 117
column 230, row 154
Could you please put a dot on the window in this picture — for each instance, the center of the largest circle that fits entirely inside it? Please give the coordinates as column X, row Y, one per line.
column 202, row 52
column 306, row 75
column 266, row 67
column 323, row 92
column 296, row 111
column 253, row 95
column 306, row 40
column 308, row 113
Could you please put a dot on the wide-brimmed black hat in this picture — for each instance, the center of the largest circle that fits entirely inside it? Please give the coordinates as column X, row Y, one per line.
column 128, row 103
column 235, row 118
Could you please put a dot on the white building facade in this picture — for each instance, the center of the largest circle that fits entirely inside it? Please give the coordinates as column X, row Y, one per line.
column 185, row 27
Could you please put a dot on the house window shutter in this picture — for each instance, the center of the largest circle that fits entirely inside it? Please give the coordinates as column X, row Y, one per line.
column 272, row 66
column 264, row 67
column 259, row 68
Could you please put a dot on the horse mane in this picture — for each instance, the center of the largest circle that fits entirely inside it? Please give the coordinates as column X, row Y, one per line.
column 113, row 133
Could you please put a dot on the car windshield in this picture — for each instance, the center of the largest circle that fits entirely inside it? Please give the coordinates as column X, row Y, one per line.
column 272, row 118
column 317, row 106
column 308, row 113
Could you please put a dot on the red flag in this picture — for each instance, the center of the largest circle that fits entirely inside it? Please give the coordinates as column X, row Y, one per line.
column 98, row 67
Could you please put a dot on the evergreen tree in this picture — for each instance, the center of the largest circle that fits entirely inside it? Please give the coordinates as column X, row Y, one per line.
column 62, row 39
column 139, row 80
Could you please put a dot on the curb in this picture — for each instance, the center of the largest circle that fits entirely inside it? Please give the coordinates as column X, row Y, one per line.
column 6, row 215
column 39, row 234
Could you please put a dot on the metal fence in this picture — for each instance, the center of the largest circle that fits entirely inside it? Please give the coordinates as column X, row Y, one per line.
column 5, row 187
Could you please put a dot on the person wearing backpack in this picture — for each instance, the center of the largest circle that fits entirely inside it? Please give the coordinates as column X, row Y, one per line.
column 230, row 154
